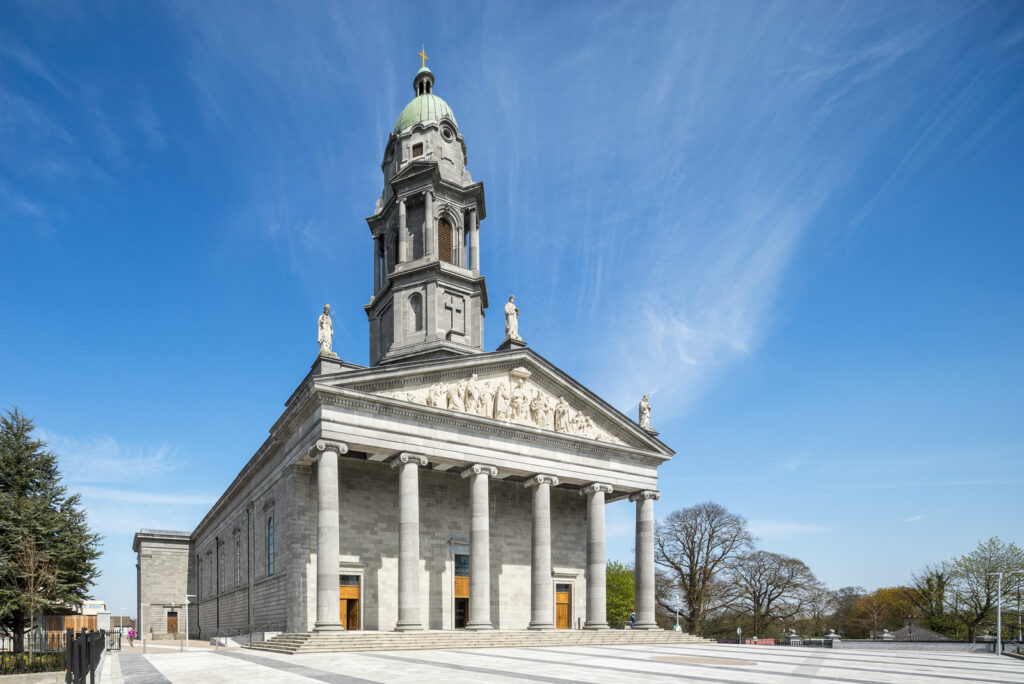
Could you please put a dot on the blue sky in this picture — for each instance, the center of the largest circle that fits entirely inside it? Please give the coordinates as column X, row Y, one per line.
column 798, row 225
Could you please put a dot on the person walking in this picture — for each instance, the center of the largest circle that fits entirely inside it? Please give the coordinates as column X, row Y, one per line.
column 131, row 637
column 632, row 620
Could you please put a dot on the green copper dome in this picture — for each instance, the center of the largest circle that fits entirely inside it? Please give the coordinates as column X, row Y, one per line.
column 424, row 108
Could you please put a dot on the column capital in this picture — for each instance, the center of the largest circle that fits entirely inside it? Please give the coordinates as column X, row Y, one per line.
column 645, row 494
column 594, row 488
column 406, row 457
column 323, row 445
column 480, row 469
column 537, row 480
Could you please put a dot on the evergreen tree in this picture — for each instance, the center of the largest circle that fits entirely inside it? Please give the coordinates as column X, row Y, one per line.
column 38, row 518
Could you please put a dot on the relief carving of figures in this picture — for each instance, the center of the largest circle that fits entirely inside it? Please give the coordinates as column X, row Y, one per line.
column 520, row 402
column 456, row 392
column 485, row 407
column 645, row 413
column 473, row 395
column 537, row 409
column 562, row 415
column 437, row 396
column 502, row 403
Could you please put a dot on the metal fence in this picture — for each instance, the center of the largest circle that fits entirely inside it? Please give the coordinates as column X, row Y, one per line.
column 83, row 653
column 38, row 652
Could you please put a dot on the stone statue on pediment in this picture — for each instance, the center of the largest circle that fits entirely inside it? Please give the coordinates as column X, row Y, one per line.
column 325, row 331
column 473, row 395
column 645, row 413
column 537, row 409
column 512, row 319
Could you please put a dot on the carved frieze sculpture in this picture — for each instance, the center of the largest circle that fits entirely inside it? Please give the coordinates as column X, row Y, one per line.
column 511, row 398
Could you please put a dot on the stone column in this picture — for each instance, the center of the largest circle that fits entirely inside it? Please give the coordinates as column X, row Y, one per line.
column 429, row 229
column 328, row 618
column 474, row 241
column 376, row 264
column 403, row 237
column 409, row 540
column 542, row 597
column 644, row 599
column 596, row 596
column 479, row 546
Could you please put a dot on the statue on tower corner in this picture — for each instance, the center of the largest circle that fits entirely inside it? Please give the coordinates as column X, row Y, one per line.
column 645, row 413
column 512, row 319
column 325, row 331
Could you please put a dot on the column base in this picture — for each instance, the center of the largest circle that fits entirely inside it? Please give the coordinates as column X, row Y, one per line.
column 409, row 627
column 328, row 627
column 649, row 625
column 545, row 626
column 479, row 627
column 595, row 625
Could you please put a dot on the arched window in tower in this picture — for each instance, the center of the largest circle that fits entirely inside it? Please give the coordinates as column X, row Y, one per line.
column 414, row 314
column 445, row 243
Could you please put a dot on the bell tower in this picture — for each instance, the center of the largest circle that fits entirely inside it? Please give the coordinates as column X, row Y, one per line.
column 428, row 295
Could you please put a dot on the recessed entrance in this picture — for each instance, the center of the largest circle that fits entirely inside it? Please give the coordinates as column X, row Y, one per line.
column 563, row 600
column 461, row 591
column 172, row 622
column 348, row 596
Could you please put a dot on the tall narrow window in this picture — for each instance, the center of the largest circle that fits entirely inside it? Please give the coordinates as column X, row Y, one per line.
column 445, row 243
column 414, row 318
column 238, row 562
column 270, row 545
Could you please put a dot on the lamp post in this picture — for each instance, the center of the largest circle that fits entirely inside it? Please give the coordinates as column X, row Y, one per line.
column 187, row 597
column 999, row 607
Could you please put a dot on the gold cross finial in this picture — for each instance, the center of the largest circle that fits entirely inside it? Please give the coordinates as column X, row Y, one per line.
column 423, row 56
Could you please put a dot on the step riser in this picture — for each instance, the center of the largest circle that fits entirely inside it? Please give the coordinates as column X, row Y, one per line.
column 349, row 641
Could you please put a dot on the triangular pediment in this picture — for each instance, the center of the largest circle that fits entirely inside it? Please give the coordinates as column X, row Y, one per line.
column 518, row 388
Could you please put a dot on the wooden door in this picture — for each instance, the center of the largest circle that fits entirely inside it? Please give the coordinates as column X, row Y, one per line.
column 348, row 602
column 563, row 596
column 172, row 623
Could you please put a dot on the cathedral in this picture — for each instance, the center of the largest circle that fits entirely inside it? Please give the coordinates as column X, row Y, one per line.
column 444, row 486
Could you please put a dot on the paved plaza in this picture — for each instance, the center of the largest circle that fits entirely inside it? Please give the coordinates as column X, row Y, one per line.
column 697, row 663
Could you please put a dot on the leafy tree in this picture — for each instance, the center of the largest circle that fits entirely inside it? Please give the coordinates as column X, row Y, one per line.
column 619, row 591
column 973, row 586
column 928, row 596
column 47, row 553
column 771, row 586
column 696, row 546
column 881, row 609
column 845, row 599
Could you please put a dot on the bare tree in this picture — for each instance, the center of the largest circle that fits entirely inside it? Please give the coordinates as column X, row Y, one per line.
column 696, row 546
column 771, row 586
column 40, row 579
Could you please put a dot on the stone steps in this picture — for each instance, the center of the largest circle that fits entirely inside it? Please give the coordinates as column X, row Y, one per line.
column 327, row 642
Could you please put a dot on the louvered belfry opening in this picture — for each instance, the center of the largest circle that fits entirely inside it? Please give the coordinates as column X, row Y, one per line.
column 444, row 241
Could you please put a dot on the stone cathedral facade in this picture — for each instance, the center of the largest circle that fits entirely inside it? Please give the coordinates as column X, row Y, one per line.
column 444, row 486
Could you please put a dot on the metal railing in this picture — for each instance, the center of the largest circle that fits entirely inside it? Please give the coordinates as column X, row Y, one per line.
column 36, row 652
column 83, row 654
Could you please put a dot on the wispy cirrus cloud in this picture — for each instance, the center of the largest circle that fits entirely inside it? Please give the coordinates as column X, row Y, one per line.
column 781, row 529
column 103, row 459
column 914, row 518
